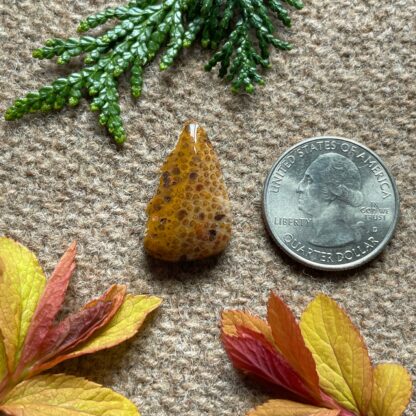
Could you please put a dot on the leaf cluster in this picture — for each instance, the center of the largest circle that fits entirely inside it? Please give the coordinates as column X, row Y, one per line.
column 32, row 340
column 239, row 31
column 322, row 360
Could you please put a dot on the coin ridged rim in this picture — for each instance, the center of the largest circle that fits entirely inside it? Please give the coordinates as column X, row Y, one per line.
column 346, row 266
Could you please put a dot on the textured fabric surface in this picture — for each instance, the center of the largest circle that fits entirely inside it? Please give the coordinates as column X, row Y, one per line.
column 351, row 74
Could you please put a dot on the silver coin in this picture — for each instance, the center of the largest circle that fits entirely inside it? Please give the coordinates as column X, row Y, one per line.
column 330, row 203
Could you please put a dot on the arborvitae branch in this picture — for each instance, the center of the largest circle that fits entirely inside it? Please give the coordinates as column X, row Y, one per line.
column 143, row 28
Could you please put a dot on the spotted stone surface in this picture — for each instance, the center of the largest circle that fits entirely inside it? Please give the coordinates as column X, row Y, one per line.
column 190, row 216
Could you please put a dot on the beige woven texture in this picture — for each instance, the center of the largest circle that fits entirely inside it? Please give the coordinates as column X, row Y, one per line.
column 351, row 74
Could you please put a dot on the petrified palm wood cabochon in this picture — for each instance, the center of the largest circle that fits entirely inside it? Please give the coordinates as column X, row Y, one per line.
column 190, row 215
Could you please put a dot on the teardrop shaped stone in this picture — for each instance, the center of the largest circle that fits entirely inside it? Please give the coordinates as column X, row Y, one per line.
column 189, row 218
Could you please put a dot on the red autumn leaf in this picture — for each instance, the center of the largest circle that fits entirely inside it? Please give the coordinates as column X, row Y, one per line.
column 251, row 352
column 49, row 305
column 289, row 340
column 78, row 327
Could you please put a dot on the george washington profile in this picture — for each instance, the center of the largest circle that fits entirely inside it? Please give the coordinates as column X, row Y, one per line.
column 328, row 192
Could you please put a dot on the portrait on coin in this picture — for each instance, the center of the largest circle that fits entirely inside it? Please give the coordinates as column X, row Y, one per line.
column 329, row 192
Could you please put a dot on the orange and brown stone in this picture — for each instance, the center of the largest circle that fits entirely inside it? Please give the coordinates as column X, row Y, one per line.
column 190, row 216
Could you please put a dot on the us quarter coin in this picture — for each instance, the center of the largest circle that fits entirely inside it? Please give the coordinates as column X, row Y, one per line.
column 330, row 203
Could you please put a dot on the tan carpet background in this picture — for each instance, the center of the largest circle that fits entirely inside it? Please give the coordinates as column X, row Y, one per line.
column 351, row 74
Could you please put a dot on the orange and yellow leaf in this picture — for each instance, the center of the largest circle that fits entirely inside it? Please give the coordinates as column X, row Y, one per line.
column 340, row 354
column 289, row 340
column 21, row 284
column 232, row 319
column 62, row 395
column 289, row 408
column 31, row 340
column 392, row 390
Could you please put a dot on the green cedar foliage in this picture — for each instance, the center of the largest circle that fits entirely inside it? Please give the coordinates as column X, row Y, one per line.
column 239, row 30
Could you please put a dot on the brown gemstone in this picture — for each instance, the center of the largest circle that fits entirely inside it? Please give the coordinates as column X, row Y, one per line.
column 182, row 239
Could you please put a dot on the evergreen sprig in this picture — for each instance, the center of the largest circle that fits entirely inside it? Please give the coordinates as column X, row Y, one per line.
column 240, row 30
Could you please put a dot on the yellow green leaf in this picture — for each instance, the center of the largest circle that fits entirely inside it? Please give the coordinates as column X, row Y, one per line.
column 21, row 284
column 288, row 408
column 125, row 323
column 62, row 395
column 232, row 319
column 341, row 356
column 392, row 389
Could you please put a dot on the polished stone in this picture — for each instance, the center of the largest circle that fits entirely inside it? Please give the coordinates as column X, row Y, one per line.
column 189, row 217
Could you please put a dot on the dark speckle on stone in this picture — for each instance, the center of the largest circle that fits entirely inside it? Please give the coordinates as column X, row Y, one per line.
column 181, row 214
column 165, row 179
column 212, row 235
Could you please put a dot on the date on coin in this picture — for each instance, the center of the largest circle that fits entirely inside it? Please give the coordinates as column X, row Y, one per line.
column 330, row 203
